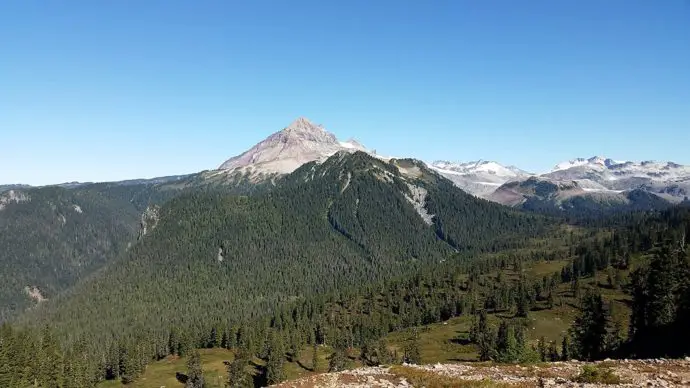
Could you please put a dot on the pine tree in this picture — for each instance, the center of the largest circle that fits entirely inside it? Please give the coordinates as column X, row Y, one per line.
column 553, row 352
column 50, row 361
column 589, row 331
column 412, row 352
column 338, row 359
column 225, row 342
column 383, row 354
column 213, row 340
column 522, row 300
column 565, row 349
column 485, row 338
column 275, row 361
column 195, row 375
column 237, row 373
column 507, row 347
column 315, row 363
column 542, row 349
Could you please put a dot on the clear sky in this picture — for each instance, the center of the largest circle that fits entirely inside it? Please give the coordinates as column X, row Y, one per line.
column 108, row 90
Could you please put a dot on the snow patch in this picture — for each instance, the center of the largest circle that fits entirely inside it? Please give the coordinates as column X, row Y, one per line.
column 77, row 209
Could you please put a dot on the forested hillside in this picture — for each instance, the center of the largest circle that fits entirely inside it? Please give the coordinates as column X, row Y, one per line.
column 52, row 237
column 216, row 260
column 340, row 254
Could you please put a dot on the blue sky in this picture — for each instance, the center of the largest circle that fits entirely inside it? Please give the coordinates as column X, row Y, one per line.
column 108, row 90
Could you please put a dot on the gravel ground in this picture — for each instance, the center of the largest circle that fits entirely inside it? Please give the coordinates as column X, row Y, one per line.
column 633, row 373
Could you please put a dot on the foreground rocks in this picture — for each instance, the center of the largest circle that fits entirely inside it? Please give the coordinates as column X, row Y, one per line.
column 660, row 373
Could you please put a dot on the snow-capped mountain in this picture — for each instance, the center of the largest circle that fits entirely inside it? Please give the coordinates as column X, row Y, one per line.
column 609, row 174
column 480, row 178
column 615, row 169
column 599, row 178
column 636, row 185
column 283, row 152
column 594, row 162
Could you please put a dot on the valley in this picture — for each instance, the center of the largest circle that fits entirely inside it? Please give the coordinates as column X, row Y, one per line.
column 306, row 245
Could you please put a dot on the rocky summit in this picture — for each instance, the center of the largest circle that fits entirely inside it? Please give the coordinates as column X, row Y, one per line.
column 283, row 152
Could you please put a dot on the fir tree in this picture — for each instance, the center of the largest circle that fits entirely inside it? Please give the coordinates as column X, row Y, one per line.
column 589, row 331
column 412, row 352
column 384, row 355
column 315, row 363
column 553, row 352
column 275, row 361
column 485, row 338
column 338, row 359
column 506, row 344
column 543, row 349
column 195, row 375
column 565, row 349
column 237, row 373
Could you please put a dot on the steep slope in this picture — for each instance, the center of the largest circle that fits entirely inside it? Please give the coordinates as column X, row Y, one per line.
column 667, row 178
column 573, row 198
column 349, row 221
column 596, row 180
column 596, row 186
column 480, row 178
column 51, row 237
column 283, row 152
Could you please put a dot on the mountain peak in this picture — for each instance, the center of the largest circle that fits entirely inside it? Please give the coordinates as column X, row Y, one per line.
column 303, row 124
column 282, row 152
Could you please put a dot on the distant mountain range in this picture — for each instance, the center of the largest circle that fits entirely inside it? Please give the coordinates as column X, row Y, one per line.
column 595, row 180
column 166, row 263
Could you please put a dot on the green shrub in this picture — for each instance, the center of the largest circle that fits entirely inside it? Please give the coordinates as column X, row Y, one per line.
column 597, row 374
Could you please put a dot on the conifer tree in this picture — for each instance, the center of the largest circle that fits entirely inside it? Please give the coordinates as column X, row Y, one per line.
column 195, row 375
column 589, row 331
column 412, row 352
column 237, row 373
column 543, row 349
column 506, row 345
column 565, row 349
column 553, row 352
column 485, row 338
column 338, row 359
column 275, row 360
column 383, row 354
column 315, row 363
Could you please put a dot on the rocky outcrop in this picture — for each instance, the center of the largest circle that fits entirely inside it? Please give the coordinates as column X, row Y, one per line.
column 149, row 220
column 13, row 196
column 625, row 373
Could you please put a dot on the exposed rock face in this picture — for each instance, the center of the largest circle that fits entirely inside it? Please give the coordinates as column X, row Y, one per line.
column 632, row 373
column 35, row 294
column 597, row 178
column 149, row 220
column 283, row 152
column 517, row 192
column 417, row 198
column 13, row 196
